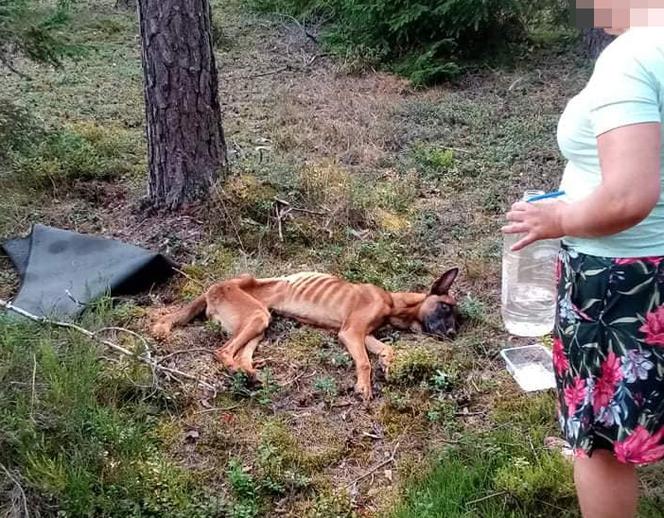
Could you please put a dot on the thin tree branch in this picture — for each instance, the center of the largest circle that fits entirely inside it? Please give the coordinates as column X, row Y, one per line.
column 115, row 347
column 487, row 497
column 297, row 22
column 189, row 277
column 11, row 68
column 297, row 209
column 20, row 488
column 377, row 466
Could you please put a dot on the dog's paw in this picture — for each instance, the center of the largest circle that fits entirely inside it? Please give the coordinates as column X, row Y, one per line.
column 249, row 370
column 161, row 329
column 386, row 361
column 364, row 391
column 259, row 364
column 227, row 361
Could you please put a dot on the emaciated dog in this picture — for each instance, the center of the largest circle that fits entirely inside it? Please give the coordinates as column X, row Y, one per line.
column 242, row 306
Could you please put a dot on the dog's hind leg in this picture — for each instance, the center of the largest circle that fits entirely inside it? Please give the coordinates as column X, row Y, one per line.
column 248, row 334
column 384, row 352
column 245, row 356
column 245, row 317
column 163, row 326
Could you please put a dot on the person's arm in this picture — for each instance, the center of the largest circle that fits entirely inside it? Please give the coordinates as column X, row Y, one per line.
column 630, row 163
column 626, row 120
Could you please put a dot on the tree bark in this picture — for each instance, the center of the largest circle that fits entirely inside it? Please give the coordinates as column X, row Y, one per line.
column 186, row 147
column 595, row 41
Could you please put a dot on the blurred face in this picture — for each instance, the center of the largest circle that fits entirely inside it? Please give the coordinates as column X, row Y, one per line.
column 616, row 16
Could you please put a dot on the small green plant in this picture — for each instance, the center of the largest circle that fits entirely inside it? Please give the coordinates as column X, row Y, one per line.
column 327, row 387
column 396, row 399
column 241, row 385
column 331, row 505
column 441, row 411
column 18, row 129
column 268, row 388
column 281, row 462
column 245, row 489
column 413, row 365
column 212, row 326
column 548, row 478
column 440, row 382
column 244, row 510
column 334, row 358
column 243, row 484
column 433, row 161
column 472, row 309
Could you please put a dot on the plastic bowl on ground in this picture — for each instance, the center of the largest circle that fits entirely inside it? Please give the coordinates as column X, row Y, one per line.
column 531, row 366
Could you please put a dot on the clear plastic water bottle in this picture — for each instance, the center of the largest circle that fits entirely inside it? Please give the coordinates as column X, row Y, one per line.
column 529, row 284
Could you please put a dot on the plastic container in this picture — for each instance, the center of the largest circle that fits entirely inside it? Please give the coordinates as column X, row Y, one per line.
column 529, row 285
column 531, row 366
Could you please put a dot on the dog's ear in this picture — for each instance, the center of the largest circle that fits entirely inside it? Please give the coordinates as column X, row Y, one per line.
column 444, row 282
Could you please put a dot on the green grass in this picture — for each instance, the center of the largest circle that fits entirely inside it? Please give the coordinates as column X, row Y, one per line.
column 501, row 472
column 77, row 431
column 504, row 471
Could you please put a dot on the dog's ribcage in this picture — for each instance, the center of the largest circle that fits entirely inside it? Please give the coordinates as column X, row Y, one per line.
column 315, row 298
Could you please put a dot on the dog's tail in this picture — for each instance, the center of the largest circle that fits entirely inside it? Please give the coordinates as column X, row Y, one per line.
column 189, row 312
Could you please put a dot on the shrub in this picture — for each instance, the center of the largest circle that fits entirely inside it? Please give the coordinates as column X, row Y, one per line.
column 18, row 128
column 421, row 40
column 79, row 152
column 35, row 30
column 424, row 41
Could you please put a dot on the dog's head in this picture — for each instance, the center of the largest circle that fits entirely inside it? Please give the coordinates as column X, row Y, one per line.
column 438, row 314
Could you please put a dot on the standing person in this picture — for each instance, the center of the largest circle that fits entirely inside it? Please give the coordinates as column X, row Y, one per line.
column 609, row 340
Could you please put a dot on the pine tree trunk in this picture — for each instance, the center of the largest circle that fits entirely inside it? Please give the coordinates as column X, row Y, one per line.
column 186, row 145
column 595, row 41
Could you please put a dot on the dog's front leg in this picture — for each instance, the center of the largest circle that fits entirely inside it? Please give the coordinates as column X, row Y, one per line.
column 353, row 339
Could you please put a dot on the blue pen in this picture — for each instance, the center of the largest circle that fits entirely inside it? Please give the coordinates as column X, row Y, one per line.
column 554, row 194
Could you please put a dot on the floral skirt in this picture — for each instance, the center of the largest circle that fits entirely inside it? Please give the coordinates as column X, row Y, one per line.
column 608, row 354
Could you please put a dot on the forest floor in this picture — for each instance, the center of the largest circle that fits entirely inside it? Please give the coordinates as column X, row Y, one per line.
column 388, row 185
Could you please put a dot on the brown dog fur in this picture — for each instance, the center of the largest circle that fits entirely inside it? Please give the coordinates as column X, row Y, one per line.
column 242, row 306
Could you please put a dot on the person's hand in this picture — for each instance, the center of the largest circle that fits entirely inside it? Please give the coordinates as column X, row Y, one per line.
column 535, row 220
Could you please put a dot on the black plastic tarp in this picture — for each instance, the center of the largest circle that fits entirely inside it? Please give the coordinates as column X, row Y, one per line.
column 61, row 270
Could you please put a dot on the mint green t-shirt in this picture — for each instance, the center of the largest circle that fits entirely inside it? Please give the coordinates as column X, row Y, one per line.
column 626, row 87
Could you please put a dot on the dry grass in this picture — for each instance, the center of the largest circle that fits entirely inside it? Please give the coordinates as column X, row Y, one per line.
column 333, row 115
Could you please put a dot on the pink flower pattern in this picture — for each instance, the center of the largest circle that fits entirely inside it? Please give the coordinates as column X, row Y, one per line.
column 626, row 261
column 653, row 328
column 606, row 384
column 640, row 447
column 560, row 362
column 575, row 395
column 608, row 355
